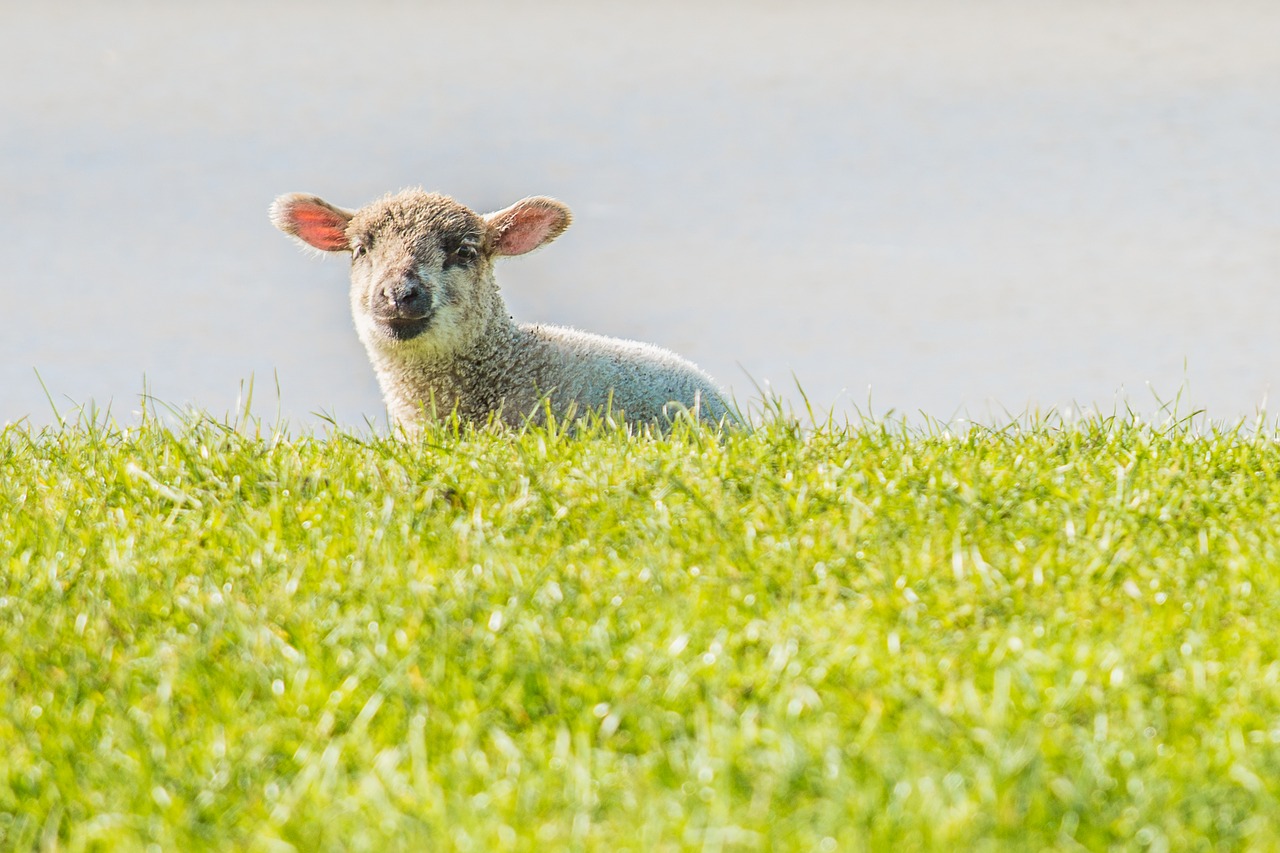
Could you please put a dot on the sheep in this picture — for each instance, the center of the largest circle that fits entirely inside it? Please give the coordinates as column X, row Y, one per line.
column 428, row 310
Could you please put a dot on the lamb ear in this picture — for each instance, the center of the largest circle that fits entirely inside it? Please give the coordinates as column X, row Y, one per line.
column 527, row 224
column 313, row 221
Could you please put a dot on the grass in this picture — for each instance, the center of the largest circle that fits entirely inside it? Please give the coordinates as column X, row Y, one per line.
column 216, row 635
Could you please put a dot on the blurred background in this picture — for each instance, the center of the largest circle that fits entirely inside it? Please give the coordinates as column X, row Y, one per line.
column 961, row 210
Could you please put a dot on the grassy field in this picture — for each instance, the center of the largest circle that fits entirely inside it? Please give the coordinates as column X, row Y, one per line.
column 866, row 637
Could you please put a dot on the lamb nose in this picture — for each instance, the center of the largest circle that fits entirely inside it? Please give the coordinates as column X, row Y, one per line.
column 411, row 295
column 403, row 289
column 412, row 291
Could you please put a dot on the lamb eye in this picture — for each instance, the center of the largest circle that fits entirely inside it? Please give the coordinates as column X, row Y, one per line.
column 358, row 251
column 462, row 255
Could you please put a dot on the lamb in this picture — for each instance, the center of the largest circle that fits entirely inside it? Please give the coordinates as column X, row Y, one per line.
column 428, row 310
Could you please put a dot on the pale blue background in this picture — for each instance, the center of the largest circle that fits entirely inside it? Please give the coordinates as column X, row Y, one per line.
column 965, row 208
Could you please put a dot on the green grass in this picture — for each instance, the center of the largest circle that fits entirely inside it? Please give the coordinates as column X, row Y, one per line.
column 867, row 637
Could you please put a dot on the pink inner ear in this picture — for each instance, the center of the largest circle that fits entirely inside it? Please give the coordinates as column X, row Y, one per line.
column 527, row 228
column 319, row 226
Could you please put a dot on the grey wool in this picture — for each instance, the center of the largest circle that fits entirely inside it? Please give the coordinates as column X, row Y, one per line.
column 430, row 315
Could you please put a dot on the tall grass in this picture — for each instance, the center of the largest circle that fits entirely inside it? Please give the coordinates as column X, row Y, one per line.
column 220, row 635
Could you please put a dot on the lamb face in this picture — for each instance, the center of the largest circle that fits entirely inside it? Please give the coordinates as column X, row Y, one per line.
column 422, row 282
column 421, row 274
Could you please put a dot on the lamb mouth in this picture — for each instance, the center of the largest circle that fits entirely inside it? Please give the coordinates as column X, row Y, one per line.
column 404, row 328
